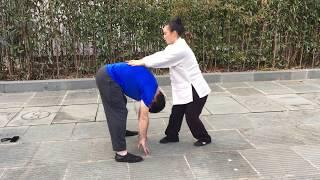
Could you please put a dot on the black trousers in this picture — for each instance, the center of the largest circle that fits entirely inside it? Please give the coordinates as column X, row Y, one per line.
column 114, row 103
column 192, row 112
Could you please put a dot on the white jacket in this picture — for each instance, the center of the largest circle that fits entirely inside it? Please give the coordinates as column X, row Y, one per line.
column 184, row 71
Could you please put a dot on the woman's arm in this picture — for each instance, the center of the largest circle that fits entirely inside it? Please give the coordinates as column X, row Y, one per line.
column 162, row 59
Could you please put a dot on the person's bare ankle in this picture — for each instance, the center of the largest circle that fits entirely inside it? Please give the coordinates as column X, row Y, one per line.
column 122, row 153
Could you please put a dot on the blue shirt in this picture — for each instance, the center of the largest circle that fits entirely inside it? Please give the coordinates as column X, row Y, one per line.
column 137, row 82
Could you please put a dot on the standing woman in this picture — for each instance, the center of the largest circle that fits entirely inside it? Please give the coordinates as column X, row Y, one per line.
column 189, row 88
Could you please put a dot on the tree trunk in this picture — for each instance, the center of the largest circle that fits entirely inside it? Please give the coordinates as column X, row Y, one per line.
column 274, row 51
column 313, row 58
column 301, row 57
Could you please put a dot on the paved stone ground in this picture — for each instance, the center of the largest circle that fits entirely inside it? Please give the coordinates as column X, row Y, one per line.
column 260, row 130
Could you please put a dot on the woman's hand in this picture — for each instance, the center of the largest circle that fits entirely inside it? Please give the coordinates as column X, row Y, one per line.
column 136, row 63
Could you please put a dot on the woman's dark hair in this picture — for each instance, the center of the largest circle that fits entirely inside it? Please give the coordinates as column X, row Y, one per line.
column 176, row 25
column 158, row 104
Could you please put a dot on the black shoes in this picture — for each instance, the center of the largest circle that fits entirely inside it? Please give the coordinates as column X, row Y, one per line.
column 202, row 142
column 13, row 139
column 131, row 133
column 129, row 158
column 167, row 139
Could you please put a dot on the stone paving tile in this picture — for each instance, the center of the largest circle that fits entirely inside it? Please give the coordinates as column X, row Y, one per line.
column 218, row 95
column 310, row 153
column 220, row 165
column 245, row 92
column 101, row 116
column 283, row 135
column 274, row 136
column 307, row 116
column 5, row 105
column 315, row 82
column 293, row 102
column 156, row 126
column 205, row 112
column 261, row 120
column 57, row 132
column 314, row 97
column 16, row 155
column 98, row 170
column 132, row 115
column 16, row 97
column 40, row 173
column 184, row 126
column 99, row 99
column 259, row 103
column 216, row 88
column 82, row 94
column 233, row 85
column 76, row 113
column 300, row 86
column 81, row 97
column 8, row 114
column 102, row 148
column 44, row 101
column 305, row 88
column 227, row 140
column 270, row 88
column 232, row 121
column 14, row 100
column 278, row 163
column 91, row 130
column 63, row 152
column 290, row 82
column 273, row 119
column 309, row 134
column 224, row 105
column 50, row 94
column 35, row 116
column 304, row 177
column 79, row 102
column 153, row 168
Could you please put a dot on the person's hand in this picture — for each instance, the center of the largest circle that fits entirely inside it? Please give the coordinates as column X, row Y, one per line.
column 135, row 63
column 143, row 144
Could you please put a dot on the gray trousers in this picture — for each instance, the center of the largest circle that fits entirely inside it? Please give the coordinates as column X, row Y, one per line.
column 114, row 103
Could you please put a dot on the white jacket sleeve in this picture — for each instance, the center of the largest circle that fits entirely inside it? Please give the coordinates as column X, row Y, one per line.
column 164, row 59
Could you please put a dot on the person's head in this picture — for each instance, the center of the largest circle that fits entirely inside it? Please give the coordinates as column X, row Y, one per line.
column 173, row 30
column 158, row 103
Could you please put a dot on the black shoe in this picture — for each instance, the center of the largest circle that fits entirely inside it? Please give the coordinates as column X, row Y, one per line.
column 13, row 139
column 130, row 158
column 131, row 133
column 167, row 139
column 202, row 142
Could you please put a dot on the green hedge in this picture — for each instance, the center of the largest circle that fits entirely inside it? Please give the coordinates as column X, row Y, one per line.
column 41, row 39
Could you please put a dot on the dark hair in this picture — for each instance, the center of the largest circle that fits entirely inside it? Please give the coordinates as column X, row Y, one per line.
column 158, row 104
column 176, row 25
